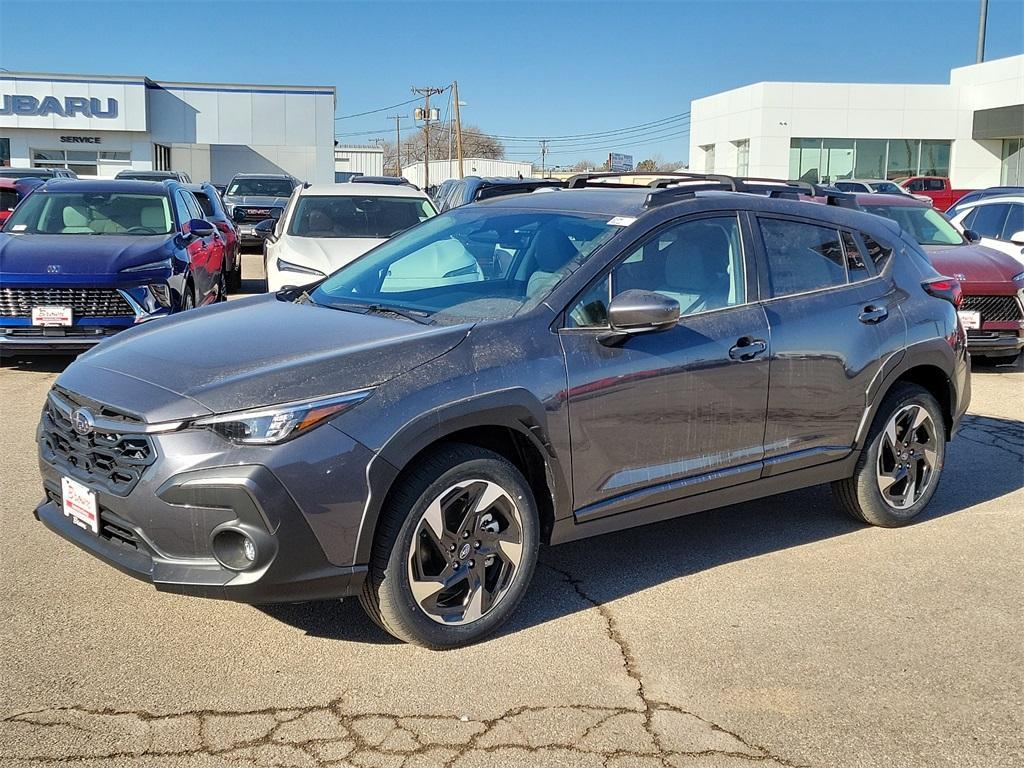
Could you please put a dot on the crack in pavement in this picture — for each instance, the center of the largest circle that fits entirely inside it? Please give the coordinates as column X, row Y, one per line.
column 1001, row 434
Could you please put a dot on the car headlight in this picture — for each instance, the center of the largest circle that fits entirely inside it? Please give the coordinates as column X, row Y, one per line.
column 163, row 264
column 287, row 266
column 277, row 423
column 1018, row 278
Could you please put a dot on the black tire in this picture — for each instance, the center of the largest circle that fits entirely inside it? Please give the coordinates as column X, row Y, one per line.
column 860, row 495
column 387, row 595
column 188, row 301
column 222, row 287
column 234, row 280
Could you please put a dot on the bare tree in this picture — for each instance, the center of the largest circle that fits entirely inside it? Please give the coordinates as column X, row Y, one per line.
column 646, row 166
column 475, row 143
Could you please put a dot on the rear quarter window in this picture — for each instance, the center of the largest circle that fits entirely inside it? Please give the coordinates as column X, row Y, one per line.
column 878, row 253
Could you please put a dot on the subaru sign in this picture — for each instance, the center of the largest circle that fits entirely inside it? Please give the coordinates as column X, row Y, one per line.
column 619, row 163
column 70, row 106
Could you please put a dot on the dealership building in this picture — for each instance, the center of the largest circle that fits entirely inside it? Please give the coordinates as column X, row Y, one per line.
column 970, row 129
column 98, row 125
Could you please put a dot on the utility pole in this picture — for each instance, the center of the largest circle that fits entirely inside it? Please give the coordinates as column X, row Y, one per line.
column 982, row 23
column 458, row 128
column 426, row 116
column 398, row 141
column 543, row 154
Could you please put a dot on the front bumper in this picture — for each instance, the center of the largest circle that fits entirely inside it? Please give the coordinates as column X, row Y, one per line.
column 165, row 499
column 995, row 343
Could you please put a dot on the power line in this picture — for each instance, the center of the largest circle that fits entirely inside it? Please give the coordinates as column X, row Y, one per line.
column 611, row 143
column 375, row 111
column 626, row 134
column 670, row 118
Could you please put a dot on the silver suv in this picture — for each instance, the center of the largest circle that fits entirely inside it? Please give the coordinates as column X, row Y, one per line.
column 252, row 197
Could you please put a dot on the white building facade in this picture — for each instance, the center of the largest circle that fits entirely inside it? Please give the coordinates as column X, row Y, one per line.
column 970, row 129
column 442, row 170
column 98, row 125
column 359, row 159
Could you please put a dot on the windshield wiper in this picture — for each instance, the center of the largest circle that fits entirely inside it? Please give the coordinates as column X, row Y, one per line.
column 380, row 309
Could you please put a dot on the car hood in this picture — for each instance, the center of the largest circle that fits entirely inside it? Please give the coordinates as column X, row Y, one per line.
column 55, row 255
column 976, row 263
column 325, row 253
column 256, row 201
column 248, row 353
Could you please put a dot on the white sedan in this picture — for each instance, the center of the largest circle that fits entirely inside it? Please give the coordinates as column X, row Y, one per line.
column 999, row 221
column 326, row 226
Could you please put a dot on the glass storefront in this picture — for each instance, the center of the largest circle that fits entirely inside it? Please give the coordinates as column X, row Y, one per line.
column 1011, row 169
column 826, row 160
column 84, row 162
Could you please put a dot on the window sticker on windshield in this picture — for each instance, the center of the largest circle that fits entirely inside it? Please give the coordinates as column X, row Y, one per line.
column 621, row 221
column 19, row 227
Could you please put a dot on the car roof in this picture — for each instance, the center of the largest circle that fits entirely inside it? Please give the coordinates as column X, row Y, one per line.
column 263, row 176
column 995, row 199
column 863, row 198
column 127, row 186
column 350, row 188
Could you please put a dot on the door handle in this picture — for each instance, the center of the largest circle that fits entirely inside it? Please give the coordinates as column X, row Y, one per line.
column 873, row 314
column 747, row 348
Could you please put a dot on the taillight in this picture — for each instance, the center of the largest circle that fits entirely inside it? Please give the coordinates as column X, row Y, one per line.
column 945, row 288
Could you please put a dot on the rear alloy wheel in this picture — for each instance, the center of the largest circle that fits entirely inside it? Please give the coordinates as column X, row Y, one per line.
column 899, row 468
column 188, row 301
column 222, row 287
column 455, row 549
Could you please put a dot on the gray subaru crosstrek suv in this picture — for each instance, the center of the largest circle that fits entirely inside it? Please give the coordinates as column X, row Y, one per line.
column 411, row 432
column 250, row 198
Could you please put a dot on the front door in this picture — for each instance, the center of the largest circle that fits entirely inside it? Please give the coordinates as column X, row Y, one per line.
column 672, row 413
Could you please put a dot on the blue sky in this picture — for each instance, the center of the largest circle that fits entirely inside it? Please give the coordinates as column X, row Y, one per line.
column 524, row 69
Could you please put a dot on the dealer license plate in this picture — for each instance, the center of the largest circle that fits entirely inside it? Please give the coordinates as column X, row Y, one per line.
column 80, row 504
column 51, row 315
column 971, row 321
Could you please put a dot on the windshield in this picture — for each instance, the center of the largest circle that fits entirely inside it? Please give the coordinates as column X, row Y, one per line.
column 92, row 213
column 357, row 216
column 888, row 188
column 924, row 224
column 261, row 187
column 472, row 263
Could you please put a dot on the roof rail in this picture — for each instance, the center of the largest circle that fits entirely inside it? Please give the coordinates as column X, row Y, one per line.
column 672, row 188
column 579, row 181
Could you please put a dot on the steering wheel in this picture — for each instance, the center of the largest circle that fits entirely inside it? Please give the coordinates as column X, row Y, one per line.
column 148, row 230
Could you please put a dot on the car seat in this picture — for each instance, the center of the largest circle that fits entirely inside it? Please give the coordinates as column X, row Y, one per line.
column 550, row 250
column 697, row 269
column 76, row 221
column 154, row 217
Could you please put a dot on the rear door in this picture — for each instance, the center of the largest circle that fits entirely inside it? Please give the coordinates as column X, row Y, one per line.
column 833, row 323
column 674, row 413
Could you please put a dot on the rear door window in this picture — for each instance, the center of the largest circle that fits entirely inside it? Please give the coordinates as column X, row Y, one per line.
column 1014, row 221
column 802, row 257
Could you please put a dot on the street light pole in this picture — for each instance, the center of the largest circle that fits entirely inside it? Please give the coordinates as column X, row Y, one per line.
column 982, row 23
column 458, row 128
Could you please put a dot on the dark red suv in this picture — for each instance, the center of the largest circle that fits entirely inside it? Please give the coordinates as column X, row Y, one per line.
column 991, row 310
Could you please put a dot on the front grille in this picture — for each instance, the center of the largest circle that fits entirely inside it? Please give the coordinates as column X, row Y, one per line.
column 994, row 308
column 255, row 214
column 111, row 461
column 84, row 302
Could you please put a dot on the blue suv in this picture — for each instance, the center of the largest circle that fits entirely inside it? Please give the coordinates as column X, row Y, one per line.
column 82, row 260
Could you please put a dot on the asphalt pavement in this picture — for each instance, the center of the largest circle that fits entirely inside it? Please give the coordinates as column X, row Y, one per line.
column 775, row 633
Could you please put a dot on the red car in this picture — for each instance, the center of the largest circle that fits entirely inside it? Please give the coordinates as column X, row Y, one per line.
column 992, row 282
column 936, row 188
column 213, row 212
column 12, row 192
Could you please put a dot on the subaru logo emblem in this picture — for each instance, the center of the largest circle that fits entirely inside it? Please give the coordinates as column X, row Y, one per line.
column 53, row 269
column 464, row 552
column 81, row 421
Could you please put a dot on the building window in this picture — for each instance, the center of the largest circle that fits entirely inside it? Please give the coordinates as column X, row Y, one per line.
column 742, row 157
column 5, row 152
column 709, row 158
column 84, row 162
column 1011, row 170
column 829, row 160
column 161, row 157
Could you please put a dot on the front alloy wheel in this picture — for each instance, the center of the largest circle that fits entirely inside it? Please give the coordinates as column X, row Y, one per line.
column 454, row 550
column 465, row 552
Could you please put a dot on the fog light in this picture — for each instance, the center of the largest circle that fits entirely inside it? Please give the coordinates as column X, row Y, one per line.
column 234, row 549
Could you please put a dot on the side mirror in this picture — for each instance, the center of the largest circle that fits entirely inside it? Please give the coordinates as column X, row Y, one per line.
column 1017, row 238
column 974, row 237
column 635, row 311
column 238, row 216
column 265, row 228
column 200, row 228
